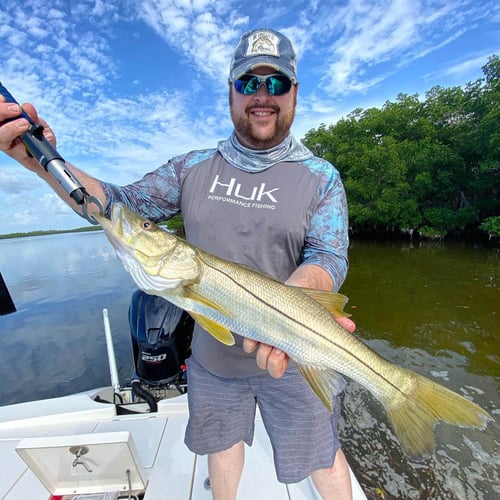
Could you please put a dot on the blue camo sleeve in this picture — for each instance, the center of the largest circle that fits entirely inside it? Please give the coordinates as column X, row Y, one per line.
column 156, row 196
column 327, row 240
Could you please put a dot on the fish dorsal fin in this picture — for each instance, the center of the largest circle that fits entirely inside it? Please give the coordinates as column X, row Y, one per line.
column 221, row 333
column 325, row 383
column 332, row 301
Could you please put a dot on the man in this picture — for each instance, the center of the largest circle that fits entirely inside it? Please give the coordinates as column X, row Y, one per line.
column 261, row 199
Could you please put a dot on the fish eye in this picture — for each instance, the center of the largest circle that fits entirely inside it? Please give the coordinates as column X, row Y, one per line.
column 147, row 224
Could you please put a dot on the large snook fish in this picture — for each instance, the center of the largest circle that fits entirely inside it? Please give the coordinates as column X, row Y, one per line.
column 224, row 297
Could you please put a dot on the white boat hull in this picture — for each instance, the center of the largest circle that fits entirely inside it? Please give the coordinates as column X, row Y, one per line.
column 170, row 470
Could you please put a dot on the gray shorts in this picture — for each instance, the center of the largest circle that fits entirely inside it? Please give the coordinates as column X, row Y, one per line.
column 302, row 431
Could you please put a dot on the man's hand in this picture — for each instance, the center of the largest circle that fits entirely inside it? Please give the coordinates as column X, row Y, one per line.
column 10, row 132
column 274, row 360
column 268, row 357
column 347, row 324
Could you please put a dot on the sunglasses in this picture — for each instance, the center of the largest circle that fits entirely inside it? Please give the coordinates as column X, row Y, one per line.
column 276, row 84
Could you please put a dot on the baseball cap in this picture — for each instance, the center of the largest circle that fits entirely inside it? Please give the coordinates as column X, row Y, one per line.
column 263, row 47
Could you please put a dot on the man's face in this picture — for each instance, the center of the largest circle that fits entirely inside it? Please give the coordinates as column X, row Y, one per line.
column 261, row 120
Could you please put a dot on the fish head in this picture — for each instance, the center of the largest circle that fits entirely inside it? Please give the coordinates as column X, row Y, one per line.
column 157, row 260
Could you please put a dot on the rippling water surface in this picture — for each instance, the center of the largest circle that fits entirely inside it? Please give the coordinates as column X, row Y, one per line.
column 434, row 309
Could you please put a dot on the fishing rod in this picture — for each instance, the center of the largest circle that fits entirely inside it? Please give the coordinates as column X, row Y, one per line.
column 38, row 147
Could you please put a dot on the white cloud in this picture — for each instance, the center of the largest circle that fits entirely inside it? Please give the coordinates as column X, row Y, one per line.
column 462, row 69
column 29, row 208
column 15, row 180
column 204, row 31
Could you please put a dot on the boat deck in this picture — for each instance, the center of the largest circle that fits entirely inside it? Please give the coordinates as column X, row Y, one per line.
column 170, row 469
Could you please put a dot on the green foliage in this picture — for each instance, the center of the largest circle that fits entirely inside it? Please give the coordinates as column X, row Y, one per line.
column 176, row 224
column 492, row 226
column 431, row 164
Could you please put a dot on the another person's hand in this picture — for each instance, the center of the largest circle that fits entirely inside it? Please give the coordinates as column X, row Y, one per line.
column 274, row 360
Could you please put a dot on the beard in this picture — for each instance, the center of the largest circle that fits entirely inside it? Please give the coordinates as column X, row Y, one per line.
column 253, row 136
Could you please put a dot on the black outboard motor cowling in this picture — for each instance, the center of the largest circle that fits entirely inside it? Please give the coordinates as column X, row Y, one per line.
column 161, row 338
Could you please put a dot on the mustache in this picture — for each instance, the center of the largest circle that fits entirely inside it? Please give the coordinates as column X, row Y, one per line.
column 256, row 107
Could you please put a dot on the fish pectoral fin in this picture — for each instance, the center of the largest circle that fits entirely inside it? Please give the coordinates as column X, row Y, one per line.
column 190, row 293
column 324, row 383
column 221, row 333
column 332, row 301
column 218, row 331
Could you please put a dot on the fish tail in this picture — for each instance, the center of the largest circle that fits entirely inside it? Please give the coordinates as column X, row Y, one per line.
column 416, row 413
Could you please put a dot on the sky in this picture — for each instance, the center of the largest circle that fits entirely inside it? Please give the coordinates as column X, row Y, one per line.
column 126, row 85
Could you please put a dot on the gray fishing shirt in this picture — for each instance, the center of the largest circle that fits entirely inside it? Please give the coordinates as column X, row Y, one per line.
column 273, row 220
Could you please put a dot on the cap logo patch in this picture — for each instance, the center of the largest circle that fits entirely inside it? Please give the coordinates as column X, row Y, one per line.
column 263, row 43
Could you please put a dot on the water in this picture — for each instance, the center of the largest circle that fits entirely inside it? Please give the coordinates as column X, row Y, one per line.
column 54, row 344
column 434, row 309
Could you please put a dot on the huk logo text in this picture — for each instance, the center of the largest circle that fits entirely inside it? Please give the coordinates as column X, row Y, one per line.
column 234, row 189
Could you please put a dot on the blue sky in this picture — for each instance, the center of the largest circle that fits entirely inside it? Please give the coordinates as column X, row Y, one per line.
column 126, row 85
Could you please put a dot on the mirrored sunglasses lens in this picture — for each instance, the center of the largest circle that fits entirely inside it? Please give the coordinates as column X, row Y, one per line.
column 278, row 85
column 247, row 85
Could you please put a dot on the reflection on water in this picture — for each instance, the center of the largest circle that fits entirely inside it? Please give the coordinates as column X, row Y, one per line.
column 433, row 309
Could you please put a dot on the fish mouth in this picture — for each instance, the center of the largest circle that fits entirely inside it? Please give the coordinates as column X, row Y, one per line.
column 117, row 228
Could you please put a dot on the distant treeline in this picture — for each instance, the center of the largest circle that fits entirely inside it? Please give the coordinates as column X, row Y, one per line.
column 50, row 231
column 429, row 165
column 174, row 224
